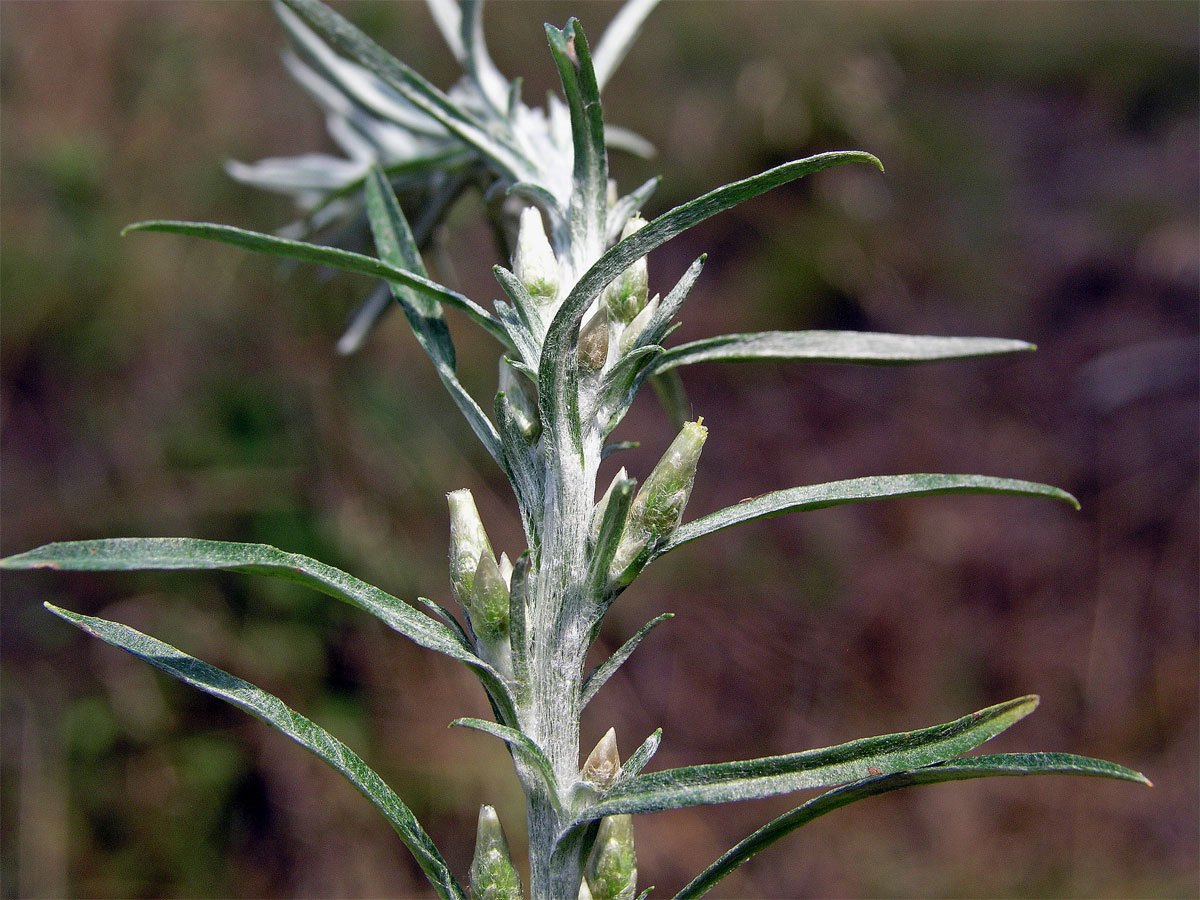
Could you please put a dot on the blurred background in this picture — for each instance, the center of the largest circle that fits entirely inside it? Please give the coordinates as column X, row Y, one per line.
column 1041, row 184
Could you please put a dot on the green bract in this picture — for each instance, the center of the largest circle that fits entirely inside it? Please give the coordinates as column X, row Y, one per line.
column 578, row 335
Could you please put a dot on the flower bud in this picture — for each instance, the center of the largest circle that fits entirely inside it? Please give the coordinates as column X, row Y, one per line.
column 534, row 262
column 506, row 569
column 626, row 295
column 612, row 869
column 468, row 542
column 603, row 765
column 593, row 343
column 666, row 492
column 488, row 607
column 657, row 509
column 522, row 399
column 634, row 329
column 493, row 875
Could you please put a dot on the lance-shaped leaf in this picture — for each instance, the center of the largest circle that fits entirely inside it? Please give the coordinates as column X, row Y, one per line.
column 589, row 181
column 522, row 468
column 640, row 757
column 620, row 385
column 518, row 333
column 855, row 490
column 606, row 669
column 452, row 623
column 395, row 244
column 555, row 373
column 380, row 301
column 519, row 742
column 527, row 309
column 953, row 770
column 616, row 502
column 345, row 260
column 274, row 712
column 190, row 554
column 617, row 447
column 659, row 326
column 518, row 599
column 344, row 36
column 766, row 777
column 835, row 347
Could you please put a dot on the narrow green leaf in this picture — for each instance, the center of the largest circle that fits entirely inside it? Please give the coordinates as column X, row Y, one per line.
column 620, row 385
column 642, row 755
column 612, row 526
column 344, row 260
column 518, row 334
column 274, row 712
column 380, row 300
column 518, row 598
column 189, row 554
column 589, row 196
column 953, row 770
column 395, row 244
column 556, row 378
column 658, row 327
column 520, row 742
column 527, row 309
column 855, row 490
column 751, row 779
column 344, row 36
column 522, row 467
column 605, row 670
column 450, row 622
column 835, row 347
column 617, row 447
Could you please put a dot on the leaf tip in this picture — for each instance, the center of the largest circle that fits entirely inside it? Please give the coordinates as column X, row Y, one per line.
column 1066, row 497
column 26, row 560
column 65, row 615
column 1019, row 708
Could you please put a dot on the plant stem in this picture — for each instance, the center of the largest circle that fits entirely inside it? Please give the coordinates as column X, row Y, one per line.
column 558, row 638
